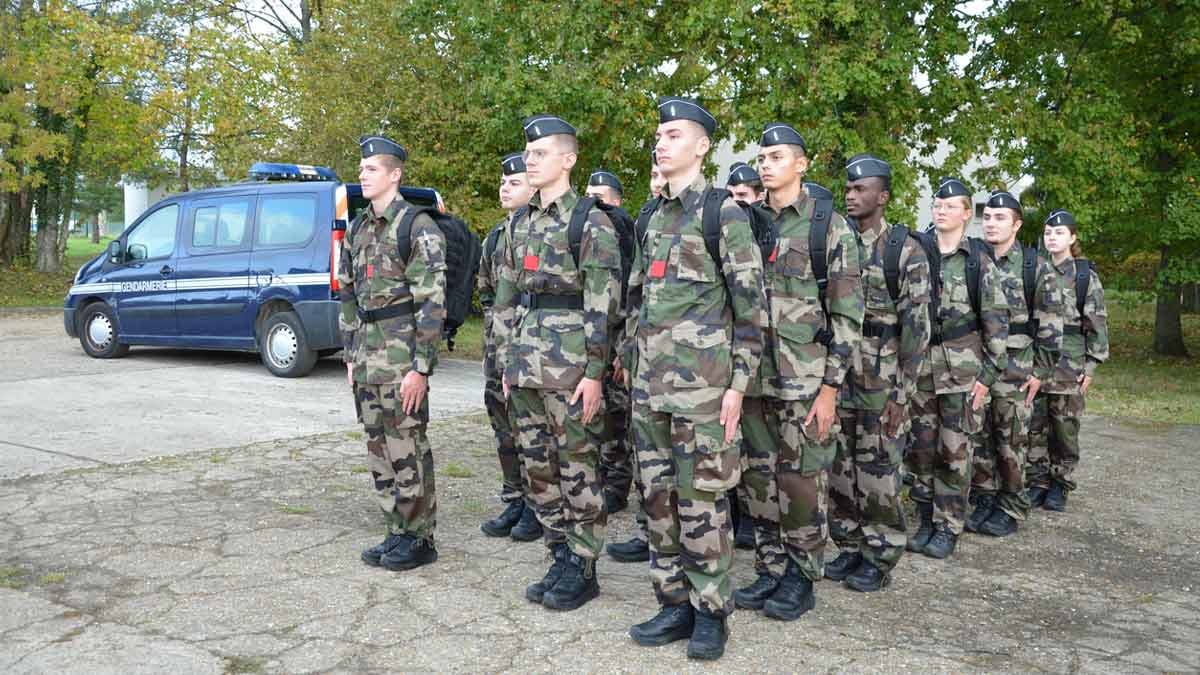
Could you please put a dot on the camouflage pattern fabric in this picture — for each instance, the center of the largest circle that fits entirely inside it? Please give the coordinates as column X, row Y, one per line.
column 562, row 463
column 616, row 454
column 399, row 458
column 864, row 489
column 785, row 474
column 945, row 433
column 1054, row 440
column 999, row 464
column 512, row 471
column 372, row 276
column 694, row 331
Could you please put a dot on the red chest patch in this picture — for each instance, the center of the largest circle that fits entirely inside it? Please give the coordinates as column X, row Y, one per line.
column 531, row 263
column 774, row 254
column 370, row 271
column 658, row 269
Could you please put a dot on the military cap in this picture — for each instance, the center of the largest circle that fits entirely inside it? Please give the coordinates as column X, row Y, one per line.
column 540, row 126
column 741, row 173
column 513, row 162
column 866, row 165
column 1060, row 217
column 951, row 187
column 778, row 133
column 671, row 108
column 380, row 145
column 1003, row 199
column 602, row 177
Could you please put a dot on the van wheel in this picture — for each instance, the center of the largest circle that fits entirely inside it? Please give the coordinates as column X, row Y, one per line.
column 284, row 346
column 98, row 333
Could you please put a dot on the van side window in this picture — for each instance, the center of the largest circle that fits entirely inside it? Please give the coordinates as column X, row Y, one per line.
column 220, row 225
column 154, row 237
column 286, row 220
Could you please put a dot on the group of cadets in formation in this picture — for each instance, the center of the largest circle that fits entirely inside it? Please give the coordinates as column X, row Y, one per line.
column 745, row 351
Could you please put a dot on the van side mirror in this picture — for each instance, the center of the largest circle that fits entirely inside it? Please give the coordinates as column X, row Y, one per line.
column 114, row 251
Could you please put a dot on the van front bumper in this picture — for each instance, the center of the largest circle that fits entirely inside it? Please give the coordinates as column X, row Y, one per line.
column 69, row 322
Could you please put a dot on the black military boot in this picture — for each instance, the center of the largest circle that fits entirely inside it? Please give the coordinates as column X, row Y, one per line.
column 1056, row 498
column 984, row 506
column 942, row 543
column 1036, row 495
column 843, row 565
column 502, row 524
column 744, row 538
column 708, row 637
column 528, row 528
column 999, row 524
column 410, row 555
column 920, row 538
column 867, row 578
column 372, row 555
column 614, row 503
column 794, row 596
column 576, row 586
column 673, row 622
column 634, row 550
column 536, row 592
column 754, row 595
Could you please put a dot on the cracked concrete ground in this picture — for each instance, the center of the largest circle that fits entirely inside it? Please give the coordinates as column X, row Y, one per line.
column 245, row 559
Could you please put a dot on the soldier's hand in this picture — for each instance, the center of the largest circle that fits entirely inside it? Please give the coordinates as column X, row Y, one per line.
column 504, row 385
column 350, row 374
column 592, row 392
column 893, row 418
column 731, row 413
column 1031, row 387
column 978, row 393
column 824, row 410
column 412, row 391
column 618, row 371
column 1084, row 382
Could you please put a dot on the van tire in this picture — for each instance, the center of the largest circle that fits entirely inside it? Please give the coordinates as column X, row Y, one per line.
column 283, row 346
column 98, row 333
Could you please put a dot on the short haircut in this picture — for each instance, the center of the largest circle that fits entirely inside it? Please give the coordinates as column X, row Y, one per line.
column 566, row 143
column 886, row 183
column 390, row 162
column 797, row 150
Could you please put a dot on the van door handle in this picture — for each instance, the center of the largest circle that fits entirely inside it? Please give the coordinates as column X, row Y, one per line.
column 166, row 271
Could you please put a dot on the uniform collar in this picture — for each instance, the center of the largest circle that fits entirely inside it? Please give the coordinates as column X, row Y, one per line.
column 565, row 202
column 869, row 237
column 1015, row 253
column 689, row 196
column 798, row 205
column 389, row 214
column 1068, row 263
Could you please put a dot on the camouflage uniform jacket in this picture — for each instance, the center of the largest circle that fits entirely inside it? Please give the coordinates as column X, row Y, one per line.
column 372, row 276
column 896, row 334
column 1029, row 356
column 1085, row 338
column 954, row 365
column 485, row 283
column 697, row 328
column 794, row 364
column 544, row 348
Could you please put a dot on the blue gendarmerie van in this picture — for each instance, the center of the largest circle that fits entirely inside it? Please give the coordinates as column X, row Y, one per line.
column 246, row 267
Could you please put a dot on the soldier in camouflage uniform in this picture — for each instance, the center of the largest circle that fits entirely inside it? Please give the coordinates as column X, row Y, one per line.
column 552, row 337
column 790, row 417
column 696, row 325
column 1034, row 335
column 519, row 519
column 866, row 517
column 1054, row 431
column 744, row 183
column 391, row 321
column 967, row 353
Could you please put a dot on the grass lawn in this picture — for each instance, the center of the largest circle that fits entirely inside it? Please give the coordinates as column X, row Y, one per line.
column 21, row 286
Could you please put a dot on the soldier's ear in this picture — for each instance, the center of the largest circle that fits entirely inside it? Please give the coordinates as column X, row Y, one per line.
column 569, row 160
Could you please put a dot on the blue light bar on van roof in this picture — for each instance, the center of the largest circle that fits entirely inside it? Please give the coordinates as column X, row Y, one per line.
column 280, row 171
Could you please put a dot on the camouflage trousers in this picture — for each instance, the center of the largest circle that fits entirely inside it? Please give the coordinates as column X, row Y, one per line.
column 864, row 490
column 687, row 469
column 616, row 458
column 562, row 458
column 399, row 458
column 512, row 471
column 785, row 475
column 999, row 465
column 1054, row 440
column 945, row 433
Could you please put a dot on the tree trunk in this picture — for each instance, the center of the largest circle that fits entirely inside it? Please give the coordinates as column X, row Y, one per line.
column 16, row 244
column 96, row 229
column 1168, row 328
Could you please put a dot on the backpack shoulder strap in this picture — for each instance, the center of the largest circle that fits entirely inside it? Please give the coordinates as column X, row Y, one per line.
column 710, row 221
column 1083, row 279
column 892, row 249
column 493, row 240
column 818, row 243
column 579, row 216
column 1029, row 265
column 643, row 218
column 404, row 231
column 974, row 265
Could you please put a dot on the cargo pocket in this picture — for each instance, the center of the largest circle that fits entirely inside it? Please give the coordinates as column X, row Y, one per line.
column 692, row 261
column 717, row 466
column 563, row 350
column 701, row 356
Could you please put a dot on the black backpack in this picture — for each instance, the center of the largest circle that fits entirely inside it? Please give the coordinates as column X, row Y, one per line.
column 762, row 225
column 463, row 252
column 622, row 223
column 928, row 241
column 1083, row 279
